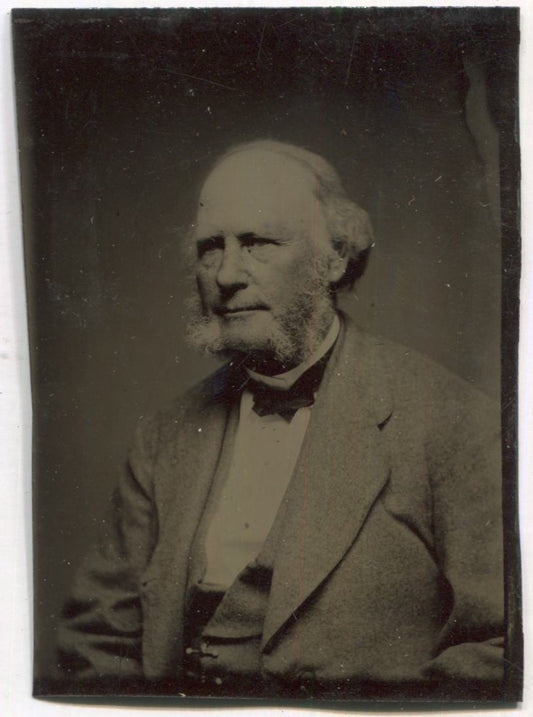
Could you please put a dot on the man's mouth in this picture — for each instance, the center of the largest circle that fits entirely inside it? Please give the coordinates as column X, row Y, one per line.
column 237, row 310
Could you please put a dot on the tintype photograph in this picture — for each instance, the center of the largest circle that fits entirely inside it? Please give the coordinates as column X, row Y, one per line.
column 272, row 261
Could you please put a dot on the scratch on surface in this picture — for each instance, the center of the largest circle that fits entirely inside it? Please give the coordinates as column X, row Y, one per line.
column 288, row 22
column 322, row 52
column 349, row 70
column 261, row 43
column 200, row 79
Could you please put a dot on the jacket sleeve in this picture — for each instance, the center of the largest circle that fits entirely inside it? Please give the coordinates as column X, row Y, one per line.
column 467, row 522
column 100, row 633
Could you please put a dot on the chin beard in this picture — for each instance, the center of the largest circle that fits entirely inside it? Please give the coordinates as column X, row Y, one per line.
column 288, row 341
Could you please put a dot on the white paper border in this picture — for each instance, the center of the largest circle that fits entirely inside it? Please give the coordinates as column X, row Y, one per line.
column 15, row 405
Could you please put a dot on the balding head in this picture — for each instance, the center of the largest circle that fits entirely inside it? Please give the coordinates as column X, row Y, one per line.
column 275, row 237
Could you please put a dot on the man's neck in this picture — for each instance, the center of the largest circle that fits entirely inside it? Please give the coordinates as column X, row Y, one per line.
column 285, row 379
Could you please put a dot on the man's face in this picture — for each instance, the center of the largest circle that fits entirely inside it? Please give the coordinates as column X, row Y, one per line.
column 261, row 269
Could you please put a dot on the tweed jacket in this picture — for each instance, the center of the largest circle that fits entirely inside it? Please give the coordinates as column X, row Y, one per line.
column 388, row 565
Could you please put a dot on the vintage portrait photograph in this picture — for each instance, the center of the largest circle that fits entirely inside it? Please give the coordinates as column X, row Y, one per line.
column 272, row 262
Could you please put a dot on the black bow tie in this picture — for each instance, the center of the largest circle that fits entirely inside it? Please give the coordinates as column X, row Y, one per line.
column 269, row 400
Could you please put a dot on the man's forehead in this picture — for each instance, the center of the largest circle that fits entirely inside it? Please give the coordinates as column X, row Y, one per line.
column 258, row 171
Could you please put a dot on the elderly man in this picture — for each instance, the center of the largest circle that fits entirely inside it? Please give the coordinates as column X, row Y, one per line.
column 322, row 515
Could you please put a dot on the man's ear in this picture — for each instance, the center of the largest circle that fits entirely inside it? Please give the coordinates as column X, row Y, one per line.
column 337, row 261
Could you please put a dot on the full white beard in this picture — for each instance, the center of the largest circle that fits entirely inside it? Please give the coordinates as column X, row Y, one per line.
column 288, row 339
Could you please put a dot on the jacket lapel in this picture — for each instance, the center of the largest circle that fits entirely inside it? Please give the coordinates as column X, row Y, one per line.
column 193, row 444
column 188, row 465
column 341, row 470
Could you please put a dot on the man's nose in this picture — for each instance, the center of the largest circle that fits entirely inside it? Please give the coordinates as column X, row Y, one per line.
column 231, row 271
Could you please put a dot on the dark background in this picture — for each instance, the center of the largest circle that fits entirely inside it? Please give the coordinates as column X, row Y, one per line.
column 121, row 114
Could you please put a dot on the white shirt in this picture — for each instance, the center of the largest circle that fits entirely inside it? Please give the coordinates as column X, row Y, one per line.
column 264, row 457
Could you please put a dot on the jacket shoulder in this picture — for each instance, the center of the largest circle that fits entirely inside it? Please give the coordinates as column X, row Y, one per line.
column 418, row 384
column 182, row 407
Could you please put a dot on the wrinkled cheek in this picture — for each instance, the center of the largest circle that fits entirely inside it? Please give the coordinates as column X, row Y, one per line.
column 205, row 294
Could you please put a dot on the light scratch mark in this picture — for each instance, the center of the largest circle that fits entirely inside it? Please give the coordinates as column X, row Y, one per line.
column 322, row 52
column 288, row 22
column 260, row 43
column 349, row 70
column 200, row 79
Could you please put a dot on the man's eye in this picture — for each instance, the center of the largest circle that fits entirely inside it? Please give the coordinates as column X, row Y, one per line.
column 259, row 247
column 207, row 247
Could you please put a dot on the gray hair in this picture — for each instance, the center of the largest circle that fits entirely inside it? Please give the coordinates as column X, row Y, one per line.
column 349, row 226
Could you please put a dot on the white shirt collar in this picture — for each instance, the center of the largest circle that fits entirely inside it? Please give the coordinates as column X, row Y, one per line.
column 285, row 380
